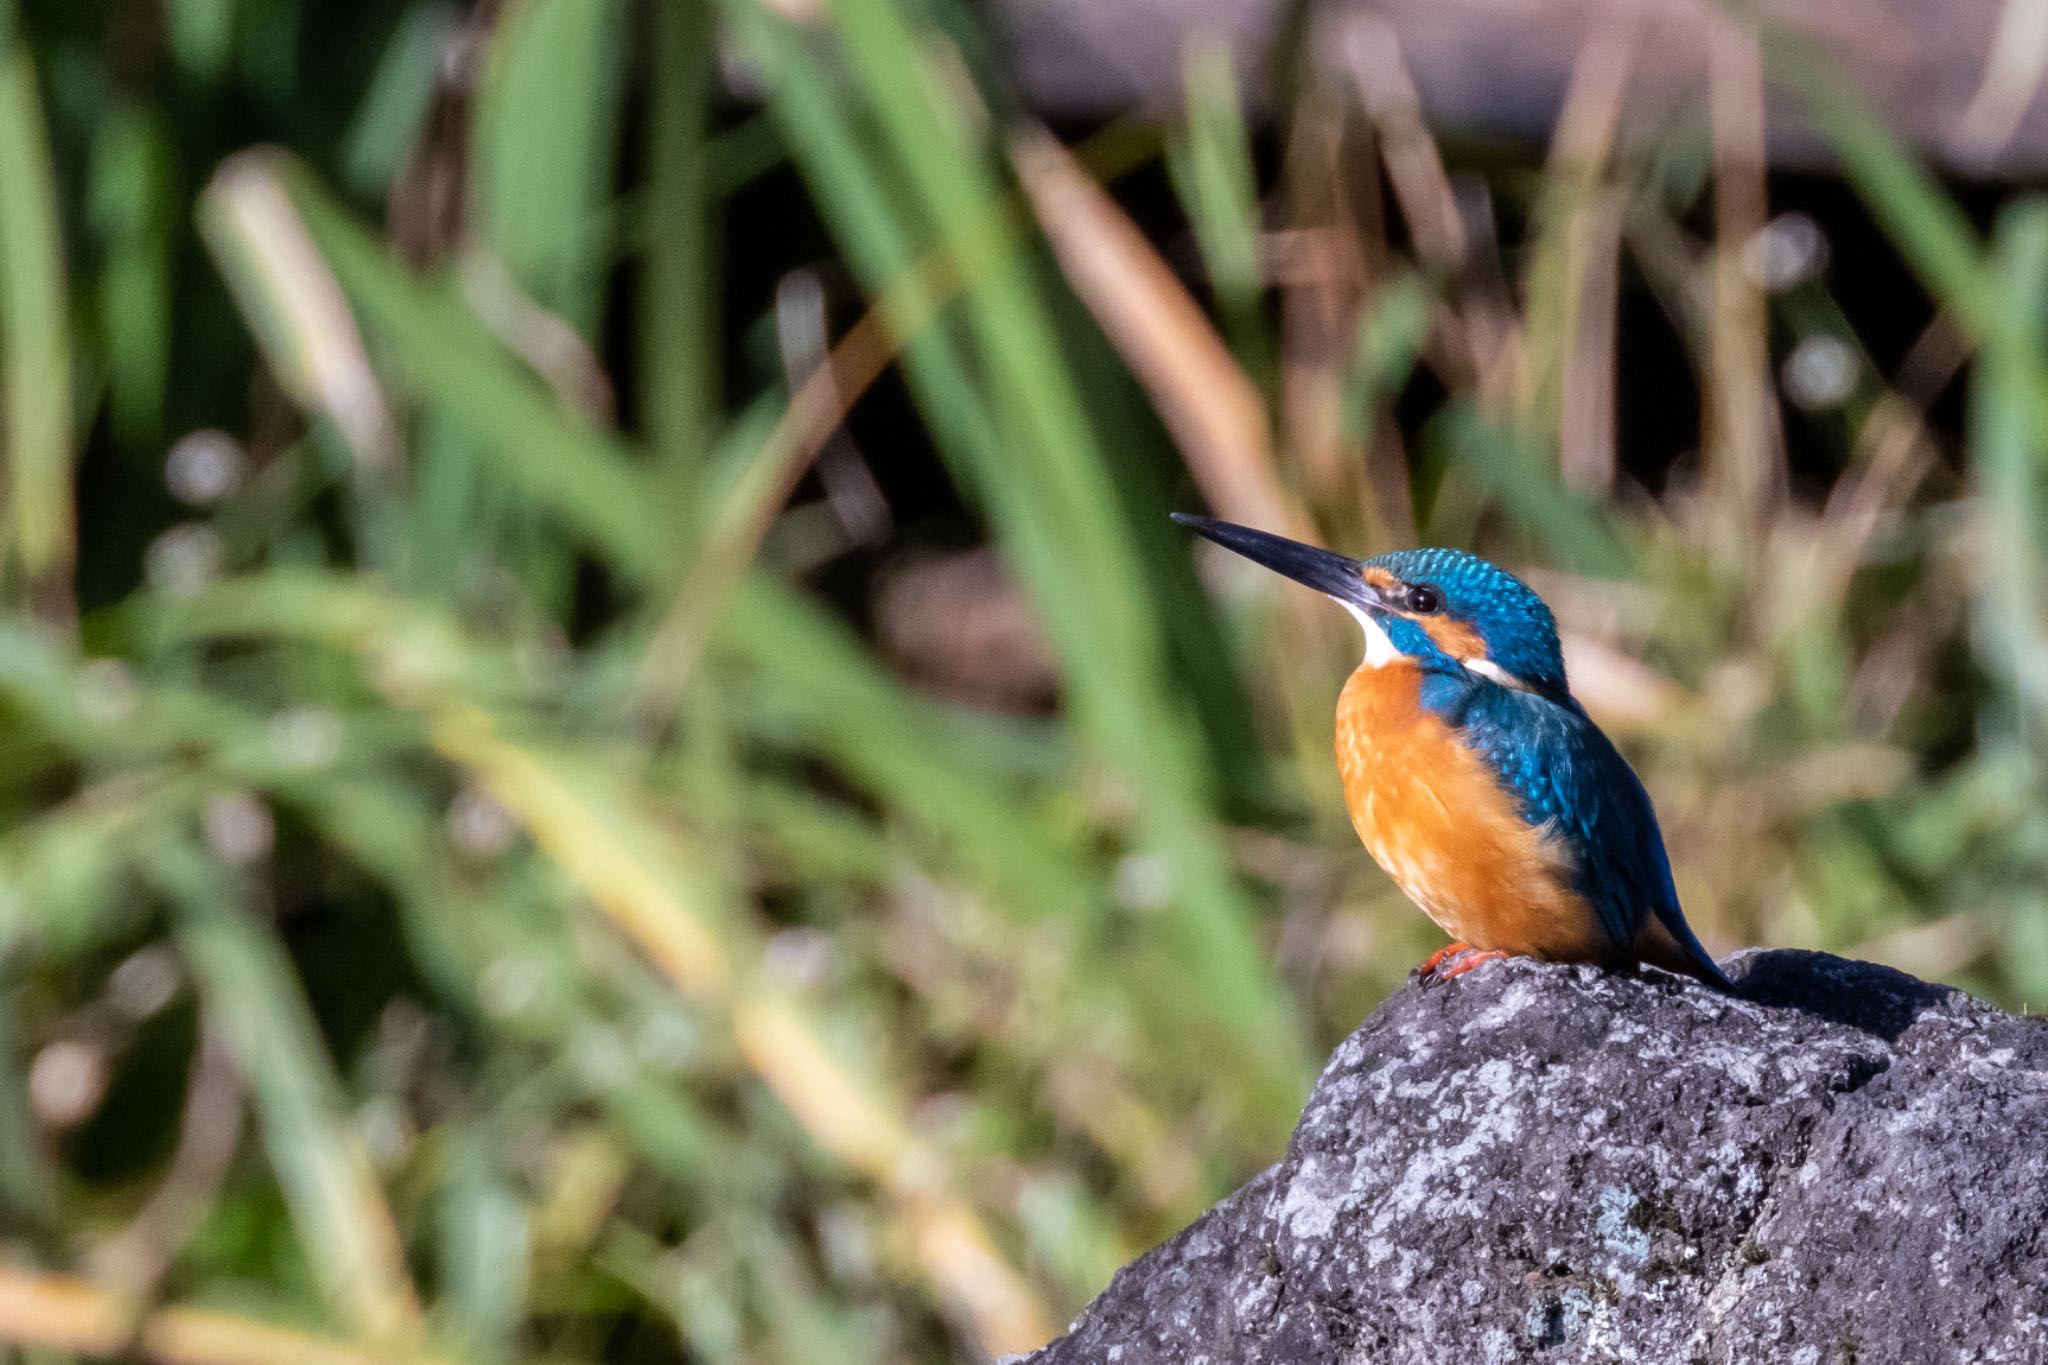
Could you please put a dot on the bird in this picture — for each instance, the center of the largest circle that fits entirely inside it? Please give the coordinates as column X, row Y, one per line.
column 1473, row 776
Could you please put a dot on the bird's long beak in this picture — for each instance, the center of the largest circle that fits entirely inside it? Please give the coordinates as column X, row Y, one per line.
column 1326, row 571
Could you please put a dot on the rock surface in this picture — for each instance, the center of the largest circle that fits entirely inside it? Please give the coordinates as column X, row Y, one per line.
column 1534, row 1162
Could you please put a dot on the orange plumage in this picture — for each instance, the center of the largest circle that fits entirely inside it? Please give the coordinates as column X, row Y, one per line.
column 1437, row 819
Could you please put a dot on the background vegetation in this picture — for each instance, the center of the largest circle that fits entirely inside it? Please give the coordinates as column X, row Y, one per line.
column 606, row 749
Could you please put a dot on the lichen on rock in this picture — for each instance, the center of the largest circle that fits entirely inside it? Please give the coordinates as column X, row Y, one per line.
column 1839, row 1165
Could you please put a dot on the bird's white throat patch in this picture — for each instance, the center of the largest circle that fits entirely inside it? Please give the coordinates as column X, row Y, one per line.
column 1379, row 646
column 1380, row 651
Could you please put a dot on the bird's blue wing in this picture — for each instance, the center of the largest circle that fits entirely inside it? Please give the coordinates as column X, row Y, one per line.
column 1631, row 825
column 1569, row 776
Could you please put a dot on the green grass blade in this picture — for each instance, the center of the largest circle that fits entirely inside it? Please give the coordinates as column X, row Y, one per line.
column 2008, row 444
column 387, row 122
column 679, row 308
column 131, row 210
column 26, row 1191
column 345, row 1227
column 545, row 140
column 35, row 338
column 1218, row 187
column 486, row 1238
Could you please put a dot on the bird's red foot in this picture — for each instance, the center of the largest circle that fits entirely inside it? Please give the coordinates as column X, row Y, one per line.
column 1427, row 968
column 1469, row 959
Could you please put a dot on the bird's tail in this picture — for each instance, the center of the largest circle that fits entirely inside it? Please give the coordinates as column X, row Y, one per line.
column 1673, row 947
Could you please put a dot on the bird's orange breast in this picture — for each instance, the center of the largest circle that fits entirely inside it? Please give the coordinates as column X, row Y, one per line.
column 1433, row 814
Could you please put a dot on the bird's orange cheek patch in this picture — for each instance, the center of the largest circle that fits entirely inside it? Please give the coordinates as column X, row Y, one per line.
column 1455, row 638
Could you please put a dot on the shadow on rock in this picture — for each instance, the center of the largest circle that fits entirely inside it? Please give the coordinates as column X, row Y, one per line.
column 1858, row 995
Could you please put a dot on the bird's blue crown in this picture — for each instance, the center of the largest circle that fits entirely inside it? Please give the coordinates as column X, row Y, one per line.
column 1512, row 623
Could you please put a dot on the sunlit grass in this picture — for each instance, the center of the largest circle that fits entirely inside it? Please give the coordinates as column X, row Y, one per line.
column 478, row 779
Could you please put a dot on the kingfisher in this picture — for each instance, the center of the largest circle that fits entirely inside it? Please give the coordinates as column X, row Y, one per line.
column 1473, row 776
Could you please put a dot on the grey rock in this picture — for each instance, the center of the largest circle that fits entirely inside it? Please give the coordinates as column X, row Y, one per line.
column 1841, row 1165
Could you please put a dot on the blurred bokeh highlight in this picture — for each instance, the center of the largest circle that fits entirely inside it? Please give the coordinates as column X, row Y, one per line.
column 608, row 753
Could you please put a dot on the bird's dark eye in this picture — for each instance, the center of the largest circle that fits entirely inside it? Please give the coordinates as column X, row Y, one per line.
column 1423, row 601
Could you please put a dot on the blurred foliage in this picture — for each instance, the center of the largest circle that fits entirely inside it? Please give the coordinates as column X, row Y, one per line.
column 534, row 829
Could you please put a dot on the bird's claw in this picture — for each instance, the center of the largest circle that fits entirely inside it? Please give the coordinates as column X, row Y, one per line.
column 1453, row 959
column 1427, row 968
column 1467, row 961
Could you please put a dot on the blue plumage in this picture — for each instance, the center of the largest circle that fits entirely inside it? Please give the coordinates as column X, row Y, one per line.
column 1567, row 775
